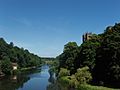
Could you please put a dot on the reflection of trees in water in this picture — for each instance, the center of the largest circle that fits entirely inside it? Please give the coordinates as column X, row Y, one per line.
column 16, row 81
column 54, row 85
column 31, row 71
column 12, row 82
column 51, row 78
column 57, row 86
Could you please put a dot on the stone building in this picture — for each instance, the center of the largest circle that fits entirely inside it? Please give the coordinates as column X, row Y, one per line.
column 86, row 36
column 15, row 66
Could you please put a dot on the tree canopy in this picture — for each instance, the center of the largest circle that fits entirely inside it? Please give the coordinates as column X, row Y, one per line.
column 101, row 53
column 12, row 54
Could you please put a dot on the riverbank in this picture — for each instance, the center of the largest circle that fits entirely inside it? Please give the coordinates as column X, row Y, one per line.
column 90, row 87
column 21, row 70
column 30, row 79
column 28, row 68
column 14, row 72
column 60, row 86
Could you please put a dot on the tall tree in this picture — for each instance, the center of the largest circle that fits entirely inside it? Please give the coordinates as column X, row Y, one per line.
column 67, row 58
column 107, row 67
column 6, row 65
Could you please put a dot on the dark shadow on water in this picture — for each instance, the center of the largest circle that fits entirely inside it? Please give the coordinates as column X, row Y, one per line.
column 35, row 79
column 55, row 85
column 13, row 82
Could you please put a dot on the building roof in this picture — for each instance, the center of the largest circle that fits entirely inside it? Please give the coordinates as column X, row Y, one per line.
column 14, row 64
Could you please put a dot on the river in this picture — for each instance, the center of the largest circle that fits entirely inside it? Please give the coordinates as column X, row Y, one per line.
column 37, row 79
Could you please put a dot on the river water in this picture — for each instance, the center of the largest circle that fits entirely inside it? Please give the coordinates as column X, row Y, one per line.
column 37, row 79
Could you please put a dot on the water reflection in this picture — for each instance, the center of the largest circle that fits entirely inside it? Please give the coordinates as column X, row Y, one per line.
column 38, row 81
column 54, row 85
column 12, row 82
column 35, row 79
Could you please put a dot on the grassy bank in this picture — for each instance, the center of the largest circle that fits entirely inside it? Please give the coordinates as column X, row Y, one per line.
column 90, row 87
column 21, row 70
column 28, row 68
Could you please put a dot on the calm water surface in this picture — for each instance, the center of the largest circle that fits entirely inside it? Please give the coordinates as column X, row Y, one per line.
column 31, row 80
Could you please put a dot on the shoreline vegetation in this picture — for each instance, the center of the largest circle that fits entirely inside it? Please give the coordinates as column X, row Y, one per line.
column 14, row 59
column 92, row 87
column 94, row 65
column 15, row 72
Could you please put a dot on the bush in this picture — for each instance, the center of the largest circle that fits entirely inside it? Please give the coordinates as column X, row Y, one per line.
column 63, row 72
column 83, row 75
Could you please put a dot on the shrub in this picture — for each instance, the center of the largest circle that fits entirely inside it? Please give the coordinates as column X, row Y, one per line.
column 63, row 72
column 83, row 75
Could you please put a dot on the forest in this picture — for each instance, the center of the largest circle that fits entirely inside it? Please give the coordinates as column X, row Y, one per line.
column 96, row 61
column 10, row 54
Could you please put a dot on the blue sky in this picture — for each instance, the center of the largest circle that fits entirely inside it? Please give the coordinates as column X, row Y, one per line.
column 45, row 26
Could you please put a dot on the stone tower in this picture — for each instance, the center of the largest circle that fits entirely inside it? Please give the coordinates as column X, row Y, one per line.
column 86, row 36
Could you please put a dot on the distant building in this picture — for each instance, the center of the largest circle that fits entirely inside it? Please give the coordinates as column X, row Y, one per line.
column 15, row 66
column 86, row 36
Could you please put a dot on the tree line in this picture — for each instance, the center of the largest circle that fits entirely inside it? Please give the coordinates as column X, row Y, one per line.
column 12, row 54
column 98, row 58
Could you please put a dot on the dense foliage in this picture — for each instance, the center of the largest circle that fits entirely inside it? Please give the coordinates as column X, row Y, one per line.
column 101, row 53
column 6, row 66
column 67, row 58
column 12, row 54
column 82, row 76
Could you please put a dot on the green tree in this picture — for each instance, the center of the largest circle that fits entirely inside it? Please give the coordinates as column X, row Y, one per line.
column 67, row 58
column 13, row 54
column 6, row 66
column 87, row 54
column 107, row 67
